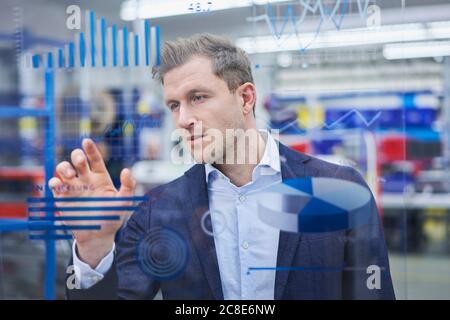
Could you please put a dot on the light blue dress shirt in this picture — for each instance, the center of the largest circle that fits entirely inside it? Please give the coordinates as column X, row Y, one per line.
column 243, row 241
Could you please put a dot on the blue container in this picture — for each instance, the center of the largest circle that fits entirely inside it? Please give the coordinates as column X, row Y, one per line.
column 396, row 182
column 325, row 146
column 420, row 117
column 334, row 119
column 391, row 119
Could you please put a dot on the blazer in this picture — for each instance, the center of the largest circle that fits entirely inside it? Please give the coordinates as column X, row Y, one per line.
column 179, row 207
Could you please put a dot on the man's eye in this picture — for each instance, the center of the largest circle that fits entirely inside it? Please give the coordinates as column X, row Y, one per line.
column 198, row 98
column 173, row 106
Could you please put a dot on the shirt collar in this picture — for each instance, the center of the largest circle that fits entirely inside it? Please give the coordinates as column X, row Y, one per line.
column 269, row 164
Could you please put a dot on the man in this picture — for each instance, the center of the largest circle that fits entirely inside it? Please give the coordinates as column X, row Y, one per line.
column 168, row 244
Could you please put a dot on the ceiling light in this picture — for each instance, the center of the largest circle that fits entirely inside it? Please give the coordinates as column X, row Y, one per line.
column 428, row 49
column 347, row 37
column 150, row 9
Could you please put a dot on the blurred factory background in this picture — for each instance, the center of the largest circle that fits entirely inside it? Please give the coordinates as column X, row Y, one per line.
column 364, row 83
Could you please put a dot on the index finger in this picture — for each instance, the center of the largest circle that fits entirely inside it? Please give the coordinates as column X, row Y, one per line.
column 94, row 156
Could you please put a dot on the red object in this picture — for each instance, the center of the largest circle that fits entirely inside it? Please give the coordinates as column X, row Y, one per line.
column 301, row 147
column 31, row 184
column 13, row 209
column 392, row 148
column 418, row 166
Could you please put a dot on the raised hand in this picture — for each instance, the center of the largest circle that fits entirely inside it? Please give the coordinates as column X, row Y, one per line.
column 87, row 177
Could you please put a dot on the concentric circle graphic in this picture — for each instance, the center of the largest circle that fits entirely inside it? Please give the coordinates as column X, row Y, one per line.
column 162, row 254
column 206, row 223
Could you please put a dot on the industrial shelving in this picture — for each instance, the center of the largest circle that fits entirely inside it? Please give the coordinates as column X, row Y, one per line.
column 48, row 114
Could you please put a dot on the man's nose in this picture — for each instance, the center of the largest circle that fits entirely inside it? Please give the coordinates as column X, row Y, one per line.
column 185, row 118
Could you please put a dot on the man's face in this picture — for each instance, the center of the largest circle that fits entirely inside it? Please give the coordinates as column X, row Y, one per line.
column 202, row 104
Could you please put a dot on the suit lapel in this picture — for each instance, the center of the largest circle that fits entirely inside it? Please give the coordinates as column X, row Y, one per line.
column 292, row 166
column 198, row 204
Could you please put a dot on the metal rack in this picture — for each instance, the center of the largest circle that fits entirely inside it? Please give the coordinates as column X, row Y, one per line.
column 48, row 115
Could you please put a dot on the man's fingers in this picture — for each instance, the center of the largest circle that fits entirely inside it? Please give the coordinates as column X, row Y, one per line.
column 80, row 163
column 66, row 172
column 127, row 186
column 56, row 185
column 94, row 156
column 127, row 183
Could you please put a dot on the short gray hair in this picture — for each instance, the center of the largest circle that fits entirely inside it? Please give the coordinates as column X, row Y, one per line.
column 229, row 62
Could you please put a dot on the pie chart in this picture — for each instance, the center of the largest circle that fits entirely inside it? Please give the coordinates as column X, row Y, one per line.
column 315, row 204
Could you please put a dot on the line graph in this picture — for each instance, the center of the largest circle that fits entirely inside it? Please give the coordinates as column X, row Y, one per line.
column 367, row 123
column 328, row 126
column 335, row 13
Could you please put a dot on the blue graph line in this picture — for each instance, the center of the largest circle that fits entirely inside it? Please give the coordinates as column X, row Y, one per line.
column 136, row 50
column 114, row 44
column 60, row 58
column 103, row 37
column 82, row 50
column 125, row 46
column 92, row 31
column 49, row 238
column 54, row 209
column 147, row 42
column 285, row 20
column 49, row 60
column 66, row 228
column 341, row 15
column 335, row 13
column 305, row 268
column 71, row 55
column 363, row 9
column 331, row 13
column 158, row 39
column 367, row 123
column 73, row 218
column 310, row 268
column 325, row 12
column 35, row 61
column 290, row 16
column 82, row 199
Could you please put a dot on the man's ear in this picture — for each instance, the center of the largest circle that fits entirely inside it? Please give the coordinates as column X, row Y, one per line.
column 247, row 93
